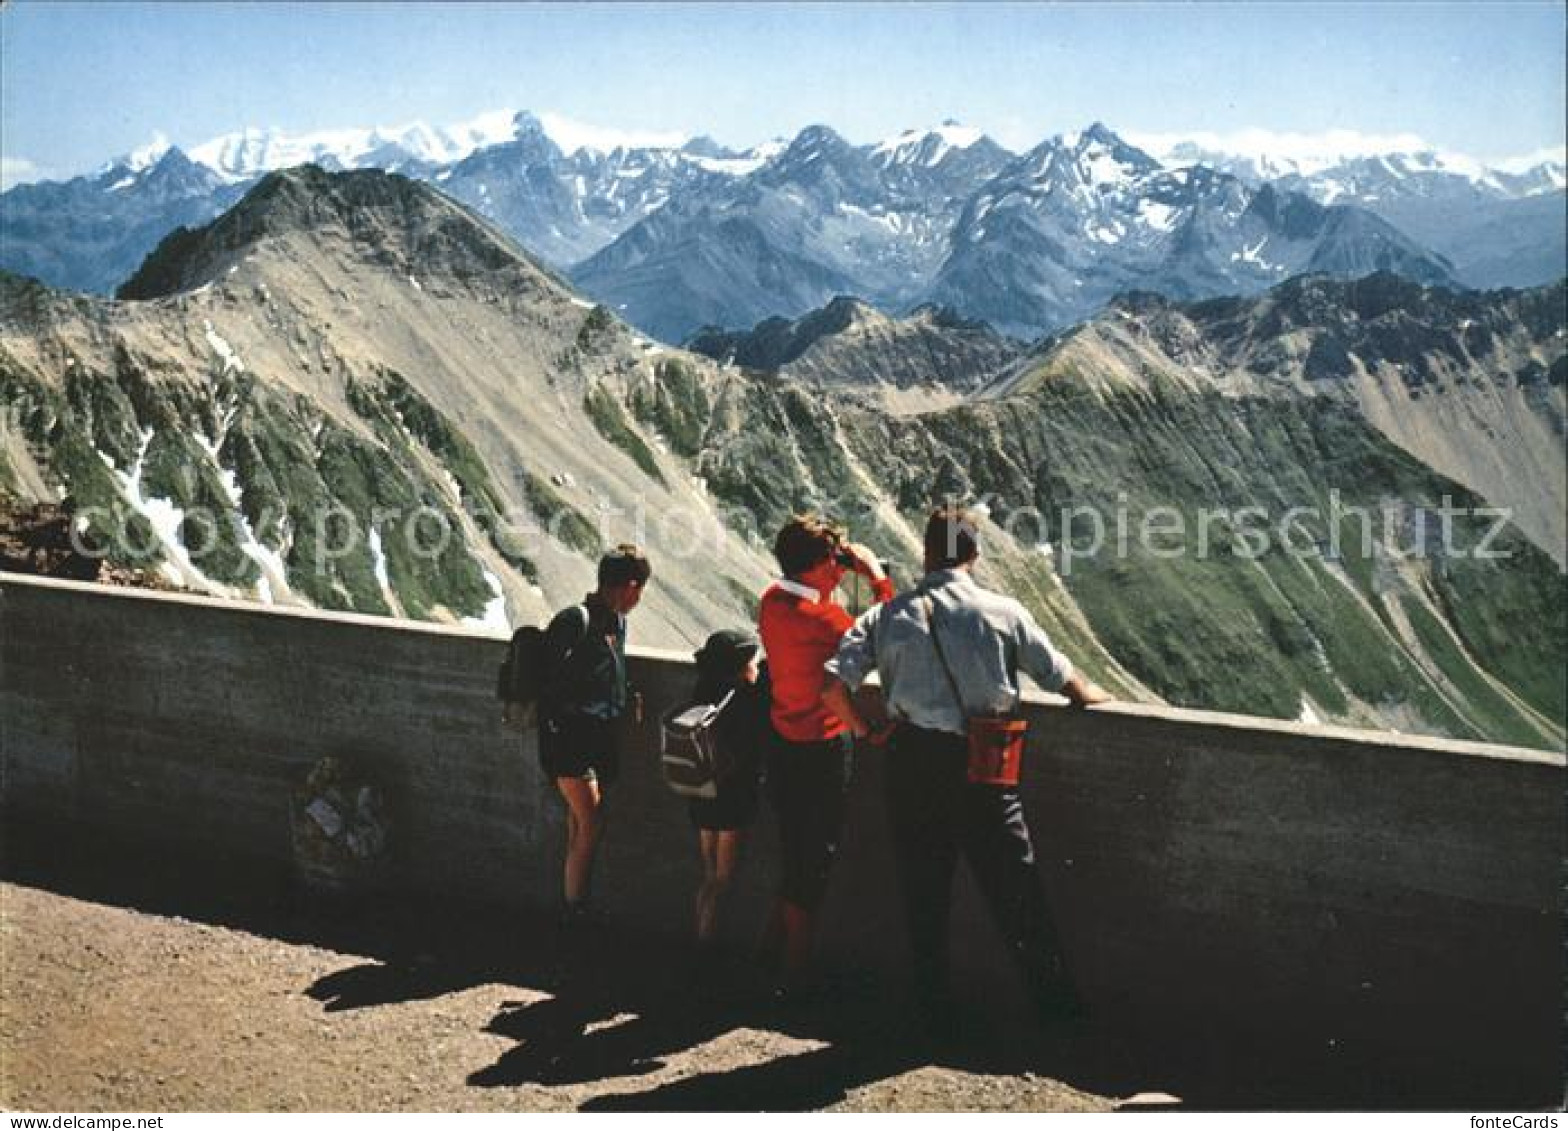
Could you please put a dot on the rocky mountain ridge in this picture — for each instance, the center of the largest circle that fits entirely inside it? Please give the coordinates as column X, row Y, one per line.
column 1067, row 226
column 1474, row 385
column 1044, row 241
column 822, row 217
column 1497, row 228
column 677, row 237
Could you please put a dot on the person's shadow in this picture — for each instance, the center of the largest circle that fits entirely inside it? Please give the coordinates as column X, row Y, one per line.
column 416, row 978
column 612, row 1014
column 864, row 1036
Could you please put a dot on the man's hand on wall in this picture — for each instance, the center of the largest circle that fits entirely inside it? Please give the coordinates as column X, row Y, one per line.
column 1084, row 692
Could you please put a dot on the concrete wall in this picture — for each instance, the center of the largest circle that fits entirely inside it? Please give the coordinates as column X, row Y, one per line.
column 1390, row 906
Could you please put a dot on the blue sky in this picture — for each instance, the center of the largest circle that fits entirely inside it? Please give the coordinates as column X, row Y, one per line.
column 81, row 82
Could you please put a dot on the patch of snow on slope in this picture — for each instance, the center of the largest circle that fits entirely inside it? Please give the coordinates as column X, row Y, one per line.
column 1161, row 217
column 268, row 560
column 1253, row 255
column 231, row 359
column 378, row 561
column 729, row 166
column 1104, row 170
column 494, row 618
column 882, row 220
column 164, row 517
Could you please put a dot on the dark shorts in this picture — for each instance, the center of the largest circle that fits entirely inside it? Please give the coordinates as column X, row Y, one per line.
column 734, row 808
column 579, row 747
column 807, row 783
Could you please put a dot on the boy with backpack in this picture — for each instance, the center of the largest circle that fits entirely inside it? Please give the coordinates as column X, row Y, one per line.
column 581, row 696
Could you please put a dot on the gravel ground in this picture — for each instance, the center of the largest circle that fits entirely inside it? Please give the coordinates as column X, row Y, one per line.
column 106, row 1008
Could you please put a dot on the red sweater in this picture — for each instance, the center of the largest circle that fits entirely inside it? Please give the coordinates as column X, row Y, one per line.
column 800, row 635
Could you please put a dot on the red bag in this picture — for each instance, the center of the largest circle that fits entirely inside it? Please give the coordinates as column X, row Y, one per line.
column 996, row 749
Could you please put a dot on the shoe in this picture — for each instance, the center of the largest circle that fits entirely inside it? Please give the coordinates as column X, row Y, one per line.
column 793, row 1000
column 580, row 917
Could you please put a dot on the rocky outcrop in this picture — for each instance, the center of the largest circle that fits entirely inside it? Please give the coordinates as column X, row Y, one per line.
column 41, row 539
column 851, row 346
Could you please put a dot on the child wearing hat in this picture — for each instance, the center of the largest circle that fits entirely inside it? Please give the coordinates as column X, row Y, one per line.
column 729, row 662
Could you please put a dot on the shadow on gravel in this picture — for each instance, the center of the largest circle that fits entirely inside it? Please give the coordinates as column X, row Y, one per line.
column 607, row 1021
column 594, row 1006
column 609, row 1006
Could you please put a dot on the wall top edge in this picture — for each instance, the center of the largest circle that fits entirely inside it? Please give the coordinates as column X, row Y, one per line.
column 1153, row 712
column 228, row 604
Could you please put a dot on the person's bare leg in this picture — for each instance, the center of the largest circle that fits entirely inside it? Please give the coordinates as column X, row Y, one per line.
column 720, row 857
column 707, row 889
column 584, row 827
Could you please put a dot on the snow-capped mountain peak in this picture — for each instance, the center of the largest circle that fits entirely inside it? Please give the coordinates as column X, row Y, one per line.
column 813, row 141
column 148, row 155
column 1106, row 160
column 1095, row 159
column 926, row 147
column 249, row 152
column 1342, row 164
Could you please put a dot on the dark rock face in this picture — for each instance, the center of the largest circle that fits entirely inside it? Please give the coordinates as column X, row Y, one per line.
column 1387, row 319
column 38, row 539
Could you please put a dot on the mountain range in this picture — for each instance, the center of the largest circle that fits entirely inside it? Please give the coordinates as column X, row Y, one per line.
column 353, row 392
column 676, row 238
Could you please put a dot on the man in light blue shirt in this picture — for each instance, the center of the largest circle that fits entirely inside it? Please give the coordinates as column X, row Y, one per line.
column 935, row 811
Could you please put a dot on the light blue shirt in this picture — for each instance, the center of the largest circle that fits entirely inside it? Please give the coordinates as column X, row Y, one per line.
column 986, row 637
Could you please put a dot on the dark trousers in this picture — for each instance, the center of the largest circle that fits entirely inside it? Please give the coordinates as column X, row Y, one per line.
column 807, row 782
column 935, row 813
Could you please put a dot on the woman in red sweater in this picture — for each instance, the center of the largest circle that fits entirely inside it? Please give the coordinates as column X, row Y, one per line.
column 808, row 768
